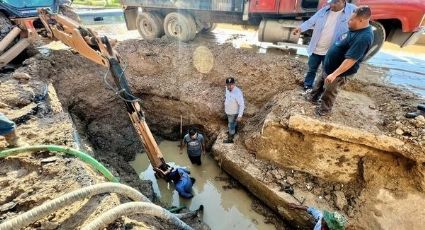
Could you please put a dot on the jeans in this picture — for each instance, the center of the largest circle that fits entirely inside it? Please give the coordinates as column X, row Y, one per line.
column 313, row 64
column 326, row 92
column 231, row 119
column 6, row 125
column 195, row 159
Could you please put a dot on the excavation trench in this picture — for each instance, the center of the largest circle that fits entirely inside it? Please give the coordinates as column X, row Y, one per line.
column 364, row 160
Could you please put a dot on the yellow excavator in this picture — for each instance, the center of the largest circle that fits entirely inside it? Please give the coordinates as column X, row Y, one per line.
column 98, row 49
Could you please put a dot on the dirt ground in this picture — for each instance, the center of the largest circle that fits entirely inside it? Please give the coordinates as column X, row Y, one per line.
column 174, row 81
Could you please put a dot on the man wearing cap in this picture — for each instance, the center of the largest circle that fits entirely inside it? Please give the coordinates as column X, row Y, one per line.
column 195, row 146
column 328, row 24
column 342, row 60
column 234, row 106
column 324, row 220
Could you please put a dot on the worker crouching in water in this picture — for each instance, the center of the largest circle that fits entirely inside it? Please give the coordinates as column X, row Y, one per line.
column 182, row 181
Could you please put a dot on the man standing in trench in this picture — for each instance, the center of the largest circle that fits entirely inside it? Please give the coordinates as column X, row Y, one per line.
column 234, row 106
column 195, row 146
column 328, row 24
column 342, row 60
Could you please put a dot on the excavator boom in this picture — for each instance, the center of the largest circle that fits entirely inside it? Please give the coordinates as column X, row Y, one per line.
column 100, row 50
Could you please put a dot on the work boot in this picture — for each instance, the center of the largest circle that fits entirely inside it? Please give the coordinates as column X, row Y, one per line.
column 229, row 139
column 320, row 113
column 308, row 97
column 13, row 140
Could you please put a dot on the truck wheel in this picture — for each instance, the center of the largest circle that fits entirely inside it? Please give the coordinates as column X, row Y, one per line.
column 378, row 39
column 180, row 26
column 149, row 25
column 209, row 28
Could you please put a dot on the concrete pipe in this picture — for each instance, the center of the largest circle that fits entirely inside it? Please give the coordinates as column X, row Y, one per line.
column 278, row 31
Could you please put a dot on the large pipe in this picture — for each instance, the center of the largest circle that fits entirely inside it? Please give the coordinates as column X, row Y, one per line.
column 67, row 150
column 5, row 42
column 51, row 206
column 278, row 31
column 135, row 208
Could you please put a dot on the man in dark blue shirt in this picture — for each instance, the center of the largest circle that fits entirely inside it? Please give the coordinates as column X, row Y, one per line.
column 195, row 146
column 343, row 60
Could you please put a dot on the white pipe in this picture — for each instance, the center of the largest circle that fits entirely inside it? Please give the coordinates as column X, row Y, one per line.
column 51, row 206
column 135, row 208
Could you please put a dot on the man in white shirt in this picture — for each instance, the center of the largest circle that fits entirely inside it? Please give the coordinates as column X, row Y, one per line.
column 234, row 106
column 328, row 24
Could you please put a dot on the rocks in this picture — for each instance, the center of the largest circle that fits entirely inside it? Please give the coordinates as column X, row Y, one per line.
column 7, row 206
column 21, row 77
column 290, row 180
column 399, row 131
column 340, row 200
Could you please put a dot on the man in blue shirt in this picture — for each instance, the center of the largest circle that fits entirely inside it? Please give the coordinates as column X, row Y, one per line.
column 342, row 60
column 324, row 220
column 182, row 181
column 328, row 24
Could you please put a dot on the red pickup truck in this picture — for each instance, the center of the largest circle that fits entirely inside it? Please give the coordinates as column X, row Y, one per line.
column 396, row 21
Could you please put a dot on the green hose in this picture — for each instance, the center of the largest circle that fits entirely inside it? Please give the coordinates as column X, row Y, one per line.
column 67, row 150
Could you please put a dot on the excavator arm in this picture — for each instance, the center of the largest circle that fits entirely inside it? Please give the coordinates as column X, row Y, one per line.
column 100, row 50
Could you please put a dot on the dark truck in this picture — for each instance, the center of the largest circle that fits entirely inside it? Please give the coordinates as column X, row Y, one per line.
column 396, row 21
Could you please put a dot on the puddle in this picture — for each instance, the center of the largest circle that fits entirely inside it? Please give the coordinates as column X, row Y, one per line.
column 224, row 208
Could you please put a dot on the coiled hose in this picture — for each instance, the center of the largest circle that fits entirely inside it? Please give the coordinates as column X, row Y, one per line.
column 67, row 150
column 135, row 208
column 53, row 205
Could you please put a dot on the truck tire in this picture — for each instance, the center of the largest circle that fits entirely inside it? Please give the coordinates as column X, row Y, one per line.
column 180, row 26
column 5, row 26
column 209, row 28
column 378, row 39
column 150, row 25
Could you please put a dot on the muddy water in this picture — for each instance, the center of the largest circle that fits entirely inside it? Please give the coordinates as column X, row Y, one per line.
column 224, row 208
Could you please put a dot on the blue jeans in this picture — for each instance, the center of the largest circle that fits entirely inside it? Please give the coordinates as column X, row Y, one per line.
column 231, row 119
column 313, row 64
column 6, row 125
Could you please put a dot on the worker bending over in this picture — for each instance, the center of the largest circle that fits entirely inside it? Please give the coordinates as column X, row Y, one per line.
column 183, row 182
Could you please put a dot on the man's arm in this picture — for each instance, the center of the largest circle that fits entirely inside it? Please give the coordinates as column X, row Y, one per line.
column 183, row 144
column 309, row 23
column 204, row 148
column 355, row 53
column 346, row 65
column 241, row 104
